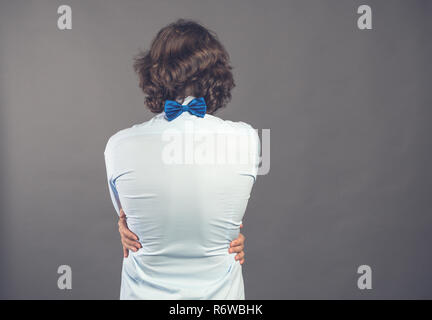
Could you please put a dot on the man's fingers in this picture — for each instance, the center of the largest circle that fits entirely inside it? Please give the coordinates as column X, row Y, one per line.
column 133, row 249
column 236, row 249
column 241, row 226
column 239, row 256
column 130, row 243
column 242, row 261
column 239, row 241
column 125, row 232
column 130, row 247
column 125, row 252
column 123, row 227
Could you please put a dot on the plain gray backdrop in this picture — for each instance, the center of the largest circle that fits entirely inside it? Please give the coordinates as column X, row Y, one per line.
column 350, row 117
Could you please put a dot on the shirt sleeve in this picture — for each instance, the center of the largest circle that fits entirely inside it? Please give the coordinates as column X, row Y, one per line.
column 111, row 181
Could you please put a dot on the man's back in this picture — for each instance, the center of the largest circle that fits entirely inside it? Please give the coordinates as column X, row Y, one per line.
column 184, row 186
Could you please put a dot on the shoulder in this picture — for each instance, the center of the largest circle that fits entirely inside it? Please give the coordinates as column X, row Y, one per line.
column 242, row 128
column 239, row 126
column 127, row 133
column 116, row 137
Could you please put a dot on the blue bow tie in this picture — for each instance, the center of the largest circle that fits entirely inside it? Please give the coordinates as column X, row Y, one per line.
column 173, row 109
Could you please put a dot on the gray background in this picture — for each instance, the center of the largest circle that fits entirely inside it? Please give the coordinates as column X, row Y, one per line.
column 349, row 113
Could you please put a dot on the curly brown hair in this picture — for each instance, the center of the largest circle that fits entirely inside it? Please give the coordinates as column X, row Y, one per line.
column 185, row 59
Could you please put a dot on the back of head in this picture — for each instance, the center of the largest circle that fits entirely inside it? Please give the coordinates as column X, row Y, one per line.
column 185, row 59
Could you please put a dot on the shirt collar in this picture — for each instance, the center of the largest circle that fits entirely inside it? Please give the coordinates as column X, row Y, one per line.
column 187, row 100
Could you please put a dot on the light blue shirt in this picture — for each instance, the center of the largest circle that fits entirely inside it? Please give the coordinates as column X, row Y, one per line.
column 184, row 186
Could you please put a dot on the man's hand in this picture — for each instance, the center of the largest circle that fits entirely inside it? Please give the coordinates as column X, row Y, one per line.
column 237, row 245
column 129, row 239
